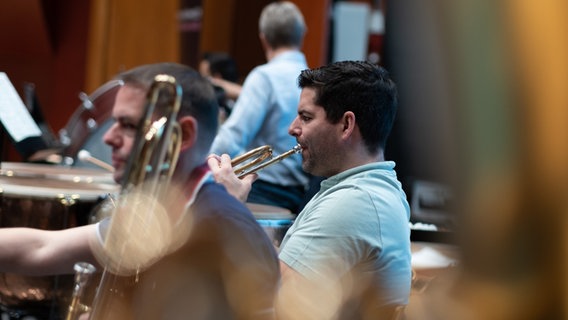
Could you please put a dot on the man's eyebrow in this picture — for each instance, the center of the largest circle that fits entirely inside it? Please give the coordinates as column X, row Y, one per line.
column 123, row 118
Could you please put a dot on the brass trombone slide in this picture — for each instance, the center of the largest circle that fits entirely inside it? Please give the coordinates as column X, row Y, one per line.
column 264, row 158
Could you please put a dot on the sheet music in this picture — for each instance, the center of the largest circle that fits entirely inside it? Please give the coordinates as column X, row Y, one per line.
column 13, row 112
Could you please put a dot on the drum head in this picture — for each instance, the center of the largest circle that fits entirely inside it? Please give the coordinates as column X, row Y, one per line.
column 89, row 122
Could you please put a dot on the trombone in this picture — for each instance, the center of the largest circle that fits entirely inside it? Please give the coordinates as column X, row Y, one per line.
column 258, row 159
column 151, row 165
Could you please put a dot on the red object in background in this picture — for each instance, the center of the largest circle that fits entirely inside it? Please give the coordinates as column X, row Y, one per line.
column 376, row 36
column 375, row 51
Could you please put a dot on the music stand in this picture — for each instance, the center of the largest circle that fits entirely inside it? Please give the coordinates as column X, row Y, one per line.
column 17, row 122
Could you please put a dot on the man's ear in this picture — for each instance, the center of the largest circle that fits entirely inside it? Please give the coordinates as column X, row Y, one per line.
column 189, row 127
column 348, row 124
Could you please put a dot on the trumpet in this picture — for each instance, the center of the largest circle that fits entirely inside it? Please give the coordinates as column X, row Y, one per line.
column 258, row 159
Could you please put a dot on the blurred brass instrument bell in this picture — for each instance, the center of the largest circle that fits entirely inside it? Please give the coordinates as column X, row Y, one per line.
column 148, row 172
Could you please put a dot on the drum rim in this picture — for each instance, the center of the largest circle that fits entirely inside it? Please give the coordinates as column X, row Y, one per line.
column 53, row 172
column 53, row 193
column 109, row 85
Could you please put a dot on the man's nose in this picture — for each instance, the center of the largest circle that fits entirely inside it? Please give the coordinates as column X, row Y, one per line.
column 293, row 129
column 110, row 135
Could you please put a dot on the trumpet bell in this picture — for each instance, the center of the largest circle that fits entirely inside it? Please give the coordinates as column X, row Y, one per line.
column 258, row 159
column 251, row 159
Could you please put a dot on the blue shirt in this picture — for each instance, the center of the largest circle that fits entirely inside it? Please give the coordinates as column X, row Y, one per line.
column 356, row 224
column 262, row 114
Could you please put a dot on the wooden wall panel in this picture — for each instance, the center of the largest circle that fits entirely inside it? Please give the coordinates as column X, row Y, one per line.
column 24, row 28
column 43, row 42
column 316, row 14
column 129, row 33
column 217, row 26
column 69, row 26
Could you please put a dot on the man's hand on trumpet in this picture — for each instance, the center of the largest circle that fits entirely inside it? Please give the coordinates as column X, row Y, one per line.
column 223, row 173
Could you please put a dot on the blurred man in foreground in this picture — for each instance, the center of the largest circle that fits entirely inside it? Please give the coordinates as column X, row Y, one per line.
column 210, row 258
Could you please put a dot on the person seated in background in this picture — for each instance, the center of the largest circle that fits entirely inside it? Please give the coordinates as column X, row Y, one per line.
column 266, row 105
column 221, row 69
column 347, row 254
column 209, row 260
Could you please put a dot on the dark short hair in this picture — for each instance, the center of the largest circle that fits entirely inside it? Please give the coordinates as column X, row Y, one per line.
column 358, row 86
column 198, row 97
column 223, row 64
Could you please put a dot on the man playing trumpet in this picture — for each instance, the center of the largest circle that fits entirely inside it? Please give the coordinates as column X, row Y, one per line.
column 347, row 255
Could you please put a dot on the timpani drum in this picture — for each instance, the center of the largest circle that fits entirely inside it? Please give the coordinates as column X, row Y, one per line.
column 274, row 220
column 95, row 177
column 88, row 124
column 51, row 198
